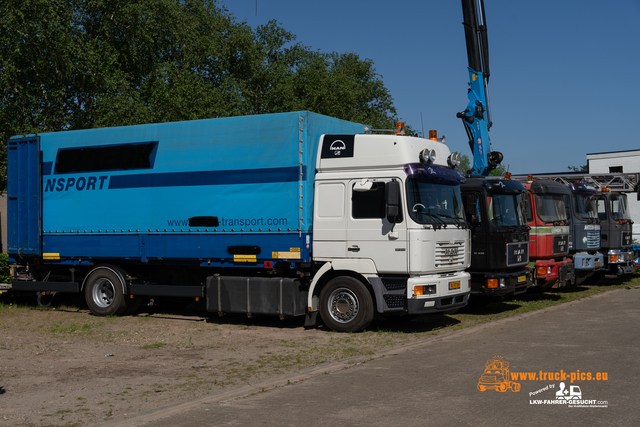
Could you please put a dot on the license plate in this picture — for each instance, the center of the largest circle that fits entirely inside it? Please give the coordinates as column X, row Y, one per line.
column 522, row 279
column 454, row 285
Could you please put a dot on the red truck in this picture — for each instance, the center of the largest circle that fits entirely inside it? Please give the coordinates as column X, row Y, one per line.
column 547, row 209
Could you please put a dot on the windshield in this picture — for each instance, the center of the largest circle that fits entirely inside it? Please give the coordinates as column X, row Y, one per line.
column 619, row 207
column 435, row 203
column 551, row 207
column 584, row 206
column 505, row 210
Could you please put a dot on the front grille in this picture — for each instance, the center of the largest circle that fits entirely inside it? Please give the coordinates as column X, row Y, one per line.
column 517, row 253
column 450, row 254
column 394, row 283
column 395, row 301
column 560, row 244
column 593, row 239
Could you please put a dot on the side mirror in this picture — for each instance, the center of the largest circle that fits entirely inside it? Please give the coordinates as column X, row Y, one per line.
column 363, row 186
column 392, row 195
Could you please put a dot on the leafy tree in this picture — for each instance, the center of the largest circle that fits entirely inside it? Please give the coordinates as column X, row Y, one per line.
column 78, row 64
column 583, row 168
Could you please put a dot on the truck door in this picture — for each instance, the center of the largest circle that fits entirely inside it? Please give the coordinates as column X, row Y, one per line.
column 371, row 232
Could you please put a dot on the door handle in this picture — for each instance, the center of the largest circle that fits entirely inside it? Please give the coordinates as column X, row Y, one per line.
column 353, row 249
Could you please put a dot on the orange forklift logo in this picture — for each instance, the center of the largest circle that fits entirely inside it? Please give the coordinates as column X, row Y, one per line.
column 496, row 376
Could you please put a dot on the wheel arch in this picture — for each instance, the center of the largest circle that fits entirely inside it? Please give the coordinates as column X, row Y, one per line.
column 120, row 274
column 330, row 271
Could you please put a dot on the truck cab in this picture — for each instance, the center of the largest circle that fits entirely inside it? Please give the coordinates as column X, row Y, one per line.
column 584, row 242
column 616, row 232
column 547, row 213
column 392, row 211
column 499, row 236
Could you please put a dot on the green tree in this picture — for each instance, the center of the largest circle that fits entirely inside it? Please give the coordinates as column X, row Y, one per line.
column 583, row 168
column 78, row 64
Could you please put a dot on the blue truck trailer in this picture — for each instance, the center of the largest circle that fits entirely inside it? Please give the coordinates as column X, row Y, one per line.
column 290, row 214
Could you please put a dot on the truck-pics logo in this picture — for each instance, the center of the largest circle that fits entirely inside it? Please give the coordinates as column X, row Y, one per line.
column 496, row 376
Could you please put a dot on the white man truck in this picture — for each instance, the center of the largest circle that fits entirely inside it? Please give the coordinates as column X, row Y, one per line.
column 291, row 214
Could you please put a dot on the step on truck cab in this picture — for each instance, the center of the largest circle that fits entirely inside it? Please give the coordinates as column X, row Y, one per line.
column 495, row 209
column 584, row 241
column 289, row 214
column 547, row 209
column 616, row 232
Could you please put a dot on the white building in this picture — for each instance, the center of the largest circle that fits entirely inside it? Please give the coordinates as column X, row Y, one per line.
column 620, row 162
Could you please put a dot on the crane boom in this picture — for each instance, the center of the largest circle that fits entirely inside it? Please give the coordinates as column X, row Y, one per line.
column 477, row 116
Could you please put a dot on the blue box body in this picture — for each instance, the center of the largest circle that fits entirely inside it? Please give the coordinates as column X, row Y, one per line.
column 206, row 191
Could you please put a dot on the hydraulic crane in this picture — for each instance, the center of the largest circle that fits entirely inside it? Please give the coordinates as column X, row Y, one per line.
column 477, row 116
column 494, row 206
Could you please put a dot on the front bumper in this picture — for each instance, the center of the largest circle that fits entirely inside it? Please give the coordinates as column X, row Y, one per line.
column 449, row 292
column 550, row 273
column 620, row 261
column 587, row 262
column 499, row 284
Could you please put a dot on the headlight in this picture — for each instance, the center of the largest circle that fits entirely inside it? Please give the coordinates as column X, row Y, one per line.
column 427, row 156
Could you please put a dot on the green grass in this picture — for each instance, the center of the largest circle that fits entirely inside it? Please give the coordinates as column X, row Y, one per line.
column 155, row 345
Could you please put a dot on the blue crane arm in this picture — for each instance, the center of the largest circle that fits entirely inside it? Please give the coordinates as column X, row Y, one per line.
column 477, row 117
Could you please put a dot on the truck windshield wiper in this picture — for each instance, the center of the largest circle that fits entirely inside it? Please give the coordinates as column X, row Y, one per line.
column 442, row 223
column 459, row 222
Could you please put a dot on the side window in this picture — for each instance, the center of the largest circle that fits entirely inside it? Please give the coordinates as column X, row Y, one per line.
column 369, row 204
column 472, row 208
column 527, row 203
column 602, row 209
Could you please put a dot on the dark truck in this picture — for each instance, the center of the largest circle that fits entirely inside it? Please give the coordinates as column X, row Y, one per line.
column 584, row 240
column 499, row 236
column 616, row 233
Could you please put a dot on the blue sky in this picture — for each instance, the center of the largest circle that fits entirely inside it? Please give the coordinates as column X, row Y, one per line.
column 563, row 72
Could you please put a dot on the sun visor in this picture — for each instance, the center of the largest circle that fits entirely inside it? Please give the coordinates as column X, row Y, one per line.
column 432, row 172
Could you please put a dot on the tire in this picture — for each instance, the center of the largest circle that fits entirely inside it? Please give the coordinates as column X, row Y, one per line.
column 103, row 293
column 133, row 305
column 346, row 305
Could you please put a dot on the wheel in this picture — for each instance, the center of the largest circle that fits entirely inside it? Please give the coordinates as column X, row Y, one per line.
column 133, row 305
column 515, row 387
column 346, row 305
column 103, row 293
column 502, row 388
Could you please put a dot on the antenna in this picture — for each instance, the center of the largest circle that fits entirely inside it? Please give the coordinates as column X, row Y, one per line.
column 422, row 124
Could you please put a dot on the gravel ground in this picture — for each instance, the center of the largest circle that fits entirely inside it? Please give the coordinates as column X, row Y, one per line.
column 64, row 366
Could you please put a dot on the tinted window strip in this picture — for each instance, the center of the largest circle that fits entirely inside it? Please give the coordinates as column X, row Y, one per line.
column 106, row 158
